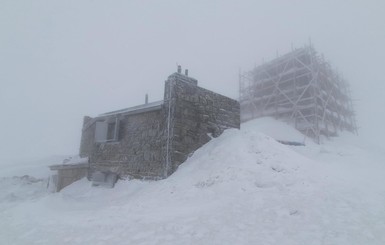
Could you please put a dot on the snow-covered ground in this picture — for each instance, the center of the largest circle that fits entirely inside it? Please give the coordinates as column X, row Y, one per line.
column 241, row 188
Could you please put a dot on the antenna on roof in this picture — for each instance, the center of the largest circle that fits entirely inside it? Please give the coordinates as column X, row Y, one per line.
column 146, row 99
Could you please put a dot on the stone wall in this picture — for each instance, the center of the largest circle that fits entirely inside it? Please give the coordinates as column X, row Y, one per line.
column 88, row 136
column 138, row 151
column 198, row 114
column 67, row 174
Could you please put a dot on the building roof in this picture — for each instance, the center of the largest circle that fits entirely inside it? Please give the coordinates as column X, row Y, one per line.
column 136, row 109
column 153, row 106
column 68, row 166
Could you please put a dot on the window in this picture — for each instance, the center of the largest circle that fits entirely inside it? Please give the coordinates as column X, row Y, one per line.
column 111, row 130
column 107, row 130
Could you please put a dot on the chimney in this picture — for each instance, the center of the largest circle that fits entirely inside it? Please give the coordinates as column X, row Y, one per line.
column 186, row 72
column 146, row 99
column 179, row 69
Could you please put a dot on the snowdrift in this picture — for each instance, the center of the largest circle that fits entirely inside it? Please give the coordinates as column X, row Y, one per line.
column 241, row 188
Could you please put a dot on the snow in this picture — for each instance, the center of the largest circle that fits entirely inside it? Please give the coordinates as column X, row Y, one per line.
column 74, row 160
column 35, row 167
column 241, row 188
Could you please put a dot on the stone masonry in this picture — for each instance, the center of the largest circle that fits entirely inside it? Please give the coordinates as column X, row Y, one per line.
column 152, row 140
column 197, row 115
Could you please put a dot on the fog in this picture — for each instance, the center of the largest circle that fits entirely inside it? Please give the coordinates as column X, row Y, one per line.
column 61, row 60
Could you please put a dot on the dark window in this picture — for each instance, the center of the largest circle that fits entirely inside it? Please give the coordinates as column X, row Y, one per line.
column 111, row 131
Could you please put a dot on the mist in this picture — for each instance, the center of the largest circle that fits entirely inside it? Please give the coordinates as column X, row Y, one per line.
column 61, row 60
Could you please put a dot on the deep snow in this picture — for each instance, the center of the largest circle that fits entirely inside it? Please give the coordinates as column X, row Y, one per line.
column 240, row 188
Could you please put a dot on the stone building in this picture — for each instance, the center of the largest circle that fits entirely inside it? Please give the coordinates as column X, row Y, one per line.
column 151, row 140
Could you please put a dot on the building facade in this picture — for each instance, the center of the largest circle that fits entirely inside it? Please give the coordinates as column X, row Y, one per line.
column 153, row 139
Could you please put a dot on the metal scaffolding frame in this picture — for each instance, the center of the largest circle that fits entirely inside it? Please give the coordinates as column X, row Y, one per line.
column 302, row 89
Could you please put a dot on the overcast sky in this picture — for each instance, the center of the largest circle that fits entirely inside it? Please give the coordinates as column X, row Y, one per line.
column 61, row 60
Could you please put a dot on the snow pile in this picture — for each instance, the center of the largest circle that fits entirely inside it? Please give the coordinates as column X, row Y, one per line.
column 75, row 160
column 277, row 130
column 241, row 188
column 16, row 189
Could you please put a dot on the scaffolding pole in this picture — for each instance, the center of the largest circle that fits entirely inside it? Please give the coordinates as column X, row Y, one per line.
column 300, row 88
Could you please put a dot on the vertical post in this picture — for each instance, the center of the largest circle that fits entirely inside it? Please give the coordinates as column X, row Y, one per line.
column 315, row 91
column 239, row 85
column 169, row 133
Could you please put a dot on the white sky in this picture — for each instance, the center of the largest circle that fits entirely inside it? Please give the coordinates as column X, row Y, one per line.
column 60, row 60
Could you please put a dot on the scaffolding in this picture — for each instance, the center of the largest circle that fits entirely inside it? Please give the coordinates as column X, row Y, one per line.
column 302, row 89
